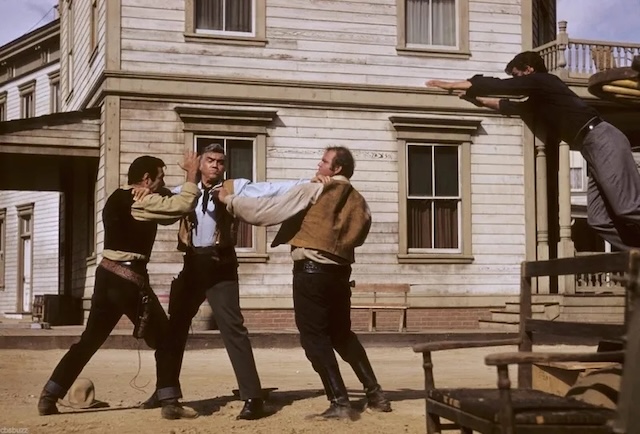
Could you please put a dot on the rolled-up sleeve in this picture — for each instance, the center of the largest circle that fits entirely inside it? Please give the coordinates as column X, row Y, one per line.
column 166, row 209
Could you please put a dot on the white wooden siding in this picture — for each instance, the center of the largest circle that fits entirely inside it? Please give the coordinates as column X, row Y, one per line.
column 330, row 41
column 45, row 244
column 87, row 66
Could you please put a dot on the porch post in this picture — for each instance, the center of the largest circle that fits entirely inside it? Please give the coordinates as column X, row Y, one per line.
column 563, row 42
column 542, row 234
column 566, row 284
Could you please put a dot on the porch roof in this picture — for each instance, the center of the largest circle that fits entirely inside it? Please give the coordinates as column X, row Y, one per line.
column 67, row 133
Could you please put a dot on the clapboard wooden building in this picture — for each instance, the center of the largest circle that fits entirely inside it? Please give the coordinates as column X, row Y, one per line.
column 459, row 195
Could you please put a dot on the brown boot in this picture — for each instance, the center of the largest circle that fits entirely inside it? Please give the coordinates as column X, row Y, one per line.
column 47, row 403
column 173, row 409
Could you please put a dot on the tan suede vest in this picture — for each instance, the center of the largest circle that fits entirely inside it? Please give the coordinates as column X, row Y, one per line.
column 226, row 226
column 337, row 223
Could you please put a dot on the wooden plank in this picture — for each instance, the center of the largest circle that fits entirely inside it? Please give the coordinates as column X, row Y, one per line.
column 603, row 263
column 381, row 287
column 454, row 345
column 526, row 358
column 581, row 329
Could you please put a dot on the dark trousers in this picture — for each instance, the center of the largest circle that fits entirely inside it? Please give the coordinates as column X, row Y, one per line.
column 322, row 305
column 113, row 296
column 203, row 277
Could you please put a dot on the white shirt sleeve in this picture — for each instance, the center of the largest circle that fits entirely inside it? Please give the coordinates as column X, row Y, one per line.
column 246, row 188
column 268, row 211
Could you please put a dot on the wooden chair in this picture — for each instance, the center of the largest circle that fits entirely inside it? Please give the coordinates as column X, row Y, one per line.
column 524, row 410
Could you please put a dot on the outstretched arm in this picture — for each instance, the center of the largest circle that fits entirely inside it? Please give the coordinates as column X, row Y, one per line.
column 449, row 85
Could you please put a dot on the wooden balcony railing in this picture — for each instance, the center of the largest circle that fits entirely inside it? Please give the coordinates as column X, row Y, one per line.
column 581, row 58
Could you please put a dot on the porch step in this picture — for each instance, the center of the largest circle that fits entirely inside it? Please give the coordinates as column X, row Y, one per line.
column 11, row 320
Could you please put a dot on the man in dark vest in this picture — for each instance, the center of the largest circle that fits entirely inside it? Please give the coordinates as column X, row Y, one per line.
column 121, row 282
column 323, row 224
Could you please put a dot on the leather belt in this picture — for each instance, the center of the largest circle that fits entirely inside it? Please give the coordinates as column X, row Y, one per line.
column 208, row 250
column 311, row 267
column 586, row 129
column 126, row 271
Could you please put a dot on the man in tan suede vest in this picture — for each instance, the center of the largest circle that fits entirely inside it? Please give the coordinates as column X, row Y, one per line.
column 323, row 223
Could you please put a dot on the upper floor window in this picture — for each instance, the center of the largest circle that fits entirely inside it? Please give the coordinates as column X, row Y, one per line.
column 434, row 160
column 70, row 41
column 438, row 27
column 94, row 25
column 3, row 106
column 54, row 92
column 226, row 21
column 225, row 16
column 28, row 99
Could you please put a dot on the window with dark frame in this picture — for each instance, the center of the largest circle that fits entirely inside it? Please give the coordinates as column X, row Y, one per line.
column 233, row 17
column 431, row 23
column 433, row 197
column 27, row 99
column 54, row 95
column 239, row 152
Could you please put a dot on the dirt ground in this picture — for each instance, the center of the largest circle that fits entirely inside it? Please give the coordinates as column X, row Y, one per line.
column 207, row 382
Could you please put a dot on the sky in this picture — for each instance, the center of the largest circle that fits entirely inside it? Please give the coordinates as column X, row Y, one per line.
column 587, row 19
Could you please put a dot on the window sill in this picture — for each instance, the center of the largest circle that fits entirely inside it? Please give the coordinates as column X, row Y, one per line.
column 92, row 260
column 419, row 258
column 430, row 52
column 251, row 257
column 225, row 40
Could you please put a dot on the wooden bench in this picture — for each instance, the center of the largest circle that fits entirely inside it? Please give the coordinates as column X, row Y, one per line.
column 380, row 293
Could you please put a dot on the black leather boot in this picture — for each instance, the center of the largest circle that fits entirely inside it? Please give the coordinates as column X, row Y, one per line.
column 339, row 407
column 376, row 399
column 47, row 403
column 151, row 402
column 253, row 409
column 173, row 409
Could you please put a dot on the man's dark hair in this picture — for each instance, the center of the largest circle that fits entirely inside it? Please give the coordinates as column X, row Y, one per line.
column 344, row 159
column 213, row 147
column 142, row 165
column 524, row 59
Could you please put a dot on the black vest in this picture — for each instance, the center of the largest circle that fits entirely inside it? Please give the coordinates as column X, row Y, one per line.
column 123, row 232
